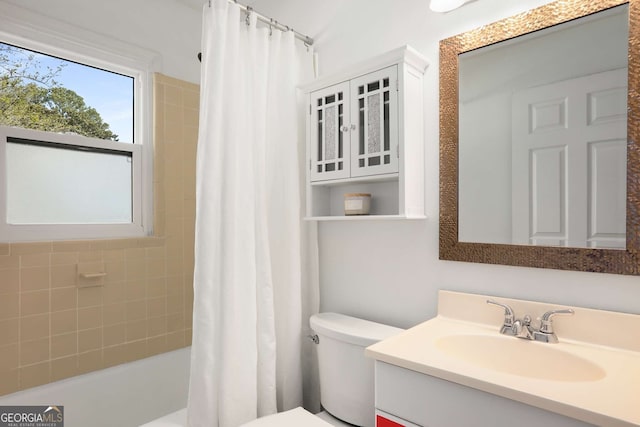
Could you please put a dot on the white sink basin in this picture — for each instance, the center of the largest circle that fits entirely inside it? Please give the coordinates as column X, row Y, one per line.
column 520, row 357
column 592, row 374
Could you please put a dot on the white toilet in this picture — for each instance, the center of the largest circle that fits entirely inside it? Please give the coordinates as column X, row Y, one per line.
column 346, row 377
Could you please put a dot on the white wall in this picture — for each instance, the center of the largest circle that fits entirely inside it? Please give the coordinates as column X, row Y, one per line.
column 484, row 176
column 390, row 271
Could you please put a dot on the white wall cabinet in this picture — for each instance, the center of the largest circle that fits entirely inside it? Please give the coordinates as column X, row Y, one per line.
column 365, row 135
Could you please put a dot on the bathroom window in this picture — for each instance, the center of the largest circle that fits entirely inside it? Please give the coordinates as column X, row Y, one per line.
column 72, row 145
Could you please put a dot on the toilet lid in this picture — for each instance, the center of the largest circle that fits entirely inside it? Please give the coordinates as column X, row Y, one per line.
column 294, row 418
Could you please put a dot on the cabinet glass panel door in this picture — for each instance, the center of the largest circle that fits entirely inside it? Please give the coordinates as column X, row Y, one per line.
column 330, row 133
column 374, row 111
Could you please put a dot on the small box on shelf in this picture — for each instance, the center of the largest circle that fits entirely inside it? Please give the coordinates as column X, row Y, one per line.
column 357, row 203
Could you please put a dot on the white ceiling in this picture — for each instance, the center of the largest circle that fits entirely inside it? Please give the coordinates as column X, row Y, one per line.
column 309, row 17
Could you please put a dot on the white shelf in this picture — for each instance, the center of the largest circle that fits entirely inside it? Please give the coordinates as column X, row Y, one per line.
column 360, row 179
column 364, row 218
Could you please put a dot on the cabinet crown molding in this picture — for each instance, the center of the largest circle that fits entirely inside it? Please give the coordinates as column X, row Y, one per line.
column 404, row 54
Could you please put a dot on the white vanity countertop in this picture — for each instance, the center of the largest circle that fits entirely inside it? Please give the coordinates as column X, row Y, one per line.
column 610, row 340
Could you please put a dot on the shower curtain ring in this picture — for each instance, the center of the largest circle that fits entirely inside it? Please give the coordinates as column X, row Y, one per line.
column 248, row 18
column 270, row 27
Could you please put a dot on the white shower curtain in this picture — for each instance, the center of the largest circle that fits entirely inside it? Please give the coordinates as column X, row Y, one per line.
column 247, row 324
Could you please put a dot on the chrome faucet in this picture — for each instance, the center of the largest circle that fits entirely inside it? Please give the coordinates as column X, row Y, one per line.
column 522, row 328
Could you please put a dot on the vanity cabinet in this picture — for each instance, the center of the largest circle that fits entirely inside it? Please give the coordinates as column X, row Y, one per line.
column 412, row 399
column 365, row 135
column 387, row 420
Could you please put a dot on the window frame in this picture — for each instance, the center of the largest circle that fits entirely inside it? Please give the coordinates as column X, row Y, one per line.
column 27, row 30
column 31, row 232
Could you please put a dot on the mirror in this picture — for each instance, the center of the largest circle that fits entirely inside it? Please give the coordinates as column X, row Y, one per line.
column 542, row 136
column 538, row 128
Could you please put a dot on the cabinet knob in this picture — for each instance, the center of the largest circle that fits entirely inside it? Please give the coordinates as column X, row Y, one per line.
column 353, row 127
column 344, row 128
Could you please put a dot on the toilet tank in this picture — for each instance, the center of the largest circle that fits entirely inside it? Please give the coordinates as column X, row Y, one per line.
column 346, row 375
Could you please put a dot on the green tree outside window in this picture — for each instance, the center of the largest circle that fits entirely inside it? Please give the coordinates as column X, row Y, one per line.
column 31, row 98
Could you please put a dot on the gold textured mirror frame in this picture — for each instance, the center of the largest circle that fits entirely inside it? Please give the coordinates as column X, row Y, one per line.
column 563, row 258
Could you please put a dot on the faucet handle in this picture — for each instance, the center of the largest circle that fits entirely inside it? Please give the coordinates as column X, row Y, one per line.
column 508, row 316
column 546, row 327
column 508, row 311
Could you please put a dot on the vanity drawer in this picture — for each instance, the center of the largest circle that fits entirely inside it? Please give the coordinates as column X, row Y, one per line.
column 433, row 402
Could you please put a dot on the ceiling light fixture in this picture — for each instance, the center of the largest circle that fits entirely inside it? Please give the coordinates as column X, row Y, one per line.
column 445, row 5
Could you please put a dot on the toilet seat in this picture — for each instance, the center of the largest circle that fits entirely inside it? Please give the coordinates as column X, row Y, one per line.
column 293, row 418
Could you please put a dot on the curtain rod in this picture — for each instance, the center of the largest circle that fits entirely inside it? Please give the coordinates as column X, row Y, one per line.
column 272, row 22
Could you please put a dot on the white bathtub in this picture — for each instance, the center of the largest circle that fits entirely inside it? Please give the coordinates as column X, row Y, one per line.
column 123, row 396
column 174, row 419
